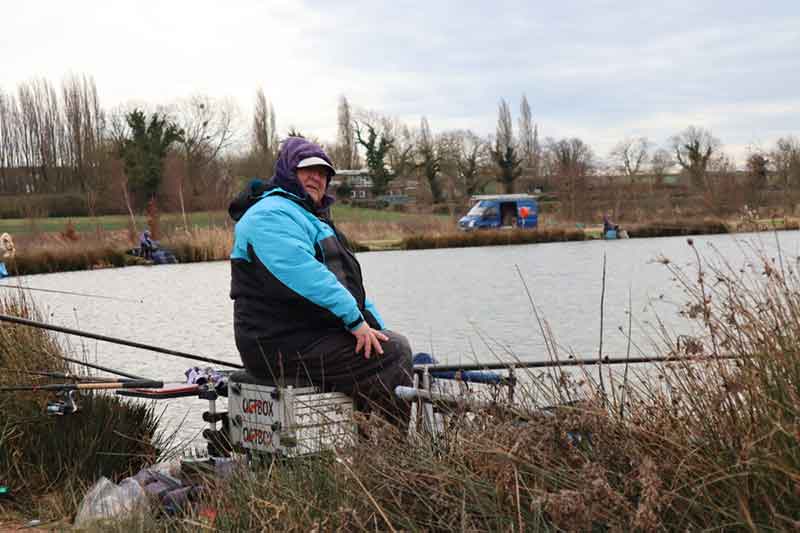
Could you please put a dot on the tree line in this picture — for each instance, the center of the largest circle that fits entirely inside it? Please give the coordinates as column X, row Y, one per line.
column 188, row 154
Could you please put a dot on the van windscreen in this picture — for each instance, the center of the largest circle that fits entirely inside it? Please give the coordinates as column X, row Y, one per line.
column 479, row 208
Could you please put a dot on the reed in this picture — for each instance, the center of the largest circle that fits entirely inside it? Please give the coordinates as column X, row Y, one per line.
column 201, row 244
column 713, row 444
column 494, row 238
column 47, row 461
column 680, row 228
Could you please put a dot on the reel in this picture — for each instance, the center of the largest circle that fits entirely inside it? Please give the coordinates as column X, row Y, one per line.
column 65, row 405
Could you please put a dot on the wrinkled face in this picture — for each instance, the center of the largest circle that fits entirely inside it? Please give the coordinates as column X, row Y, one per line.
column 314, row 180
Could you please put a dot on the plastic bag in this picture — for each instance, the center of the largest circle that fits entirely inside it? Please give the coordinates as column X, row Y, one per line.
column 108, row 500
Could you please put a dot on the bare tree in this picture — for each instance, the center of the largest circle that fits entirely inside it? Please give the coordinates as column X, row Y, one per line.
column 785, row 159
column 41, row 128
column 693, row 149
column 85, row 122
column 7, row 147
column 660, row 163
column 571, row 162
column 469, row 156
column 117, row 128
column 207, row 126
column 346, row 152
column 265, row 135
column 527, row 134
column 757, row 173
column 11, row 145
column 402, row 152
column 537, row 153
column 722, row 193
column 430, row 160
column 629, row 155
column 505, row 151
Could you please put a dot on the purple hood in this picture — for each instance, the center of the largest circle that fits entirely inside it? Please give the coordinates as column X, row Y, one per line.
column 294, row 150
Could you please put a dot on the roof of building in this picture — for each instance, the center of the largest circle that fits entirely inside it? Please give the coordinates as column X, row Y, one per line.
column 502, row 197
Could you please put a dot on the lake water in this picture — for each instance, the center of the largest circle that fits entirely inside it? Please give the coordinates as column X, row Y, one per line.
column 462, row 304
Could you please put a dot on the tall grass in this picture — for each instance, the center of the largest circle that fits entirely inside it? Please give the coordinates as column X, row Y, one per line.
column 47, row 461
column 493, row 237
column 201, row 244
column 711, row 444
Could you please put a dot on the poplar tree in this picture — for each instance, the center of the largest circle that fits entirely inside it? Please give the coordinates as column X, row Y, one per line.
column 430, row 160
column 505, row 152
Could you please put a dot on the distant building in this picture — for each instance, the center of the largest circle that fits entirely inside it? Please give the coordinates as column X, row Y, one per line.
column 357, row 180
column 398, row 191
column 401, row 191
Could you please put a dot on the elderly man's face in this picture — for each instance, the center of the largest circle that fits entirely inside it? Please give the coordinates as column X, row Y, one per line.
column 314, row 180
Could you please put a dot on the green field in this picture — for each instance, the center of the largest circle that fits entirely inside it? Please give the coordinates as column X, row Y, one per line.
column 201, row 219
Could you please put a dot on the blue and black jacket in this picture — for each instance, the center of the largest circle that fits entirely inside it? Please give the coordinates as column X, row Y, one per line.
column 293, row 277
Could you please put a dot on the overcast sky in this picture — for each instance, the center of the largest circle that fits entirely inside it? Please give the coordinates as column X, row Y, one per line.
column 599, row 70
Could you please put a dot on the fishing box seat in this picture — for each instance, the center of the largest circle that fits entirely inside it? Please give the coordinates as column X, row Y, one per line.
column 287, row 416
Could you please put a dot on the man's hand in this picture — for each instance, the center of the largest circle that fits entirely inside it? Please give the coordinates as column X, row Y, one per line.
column 368, row 339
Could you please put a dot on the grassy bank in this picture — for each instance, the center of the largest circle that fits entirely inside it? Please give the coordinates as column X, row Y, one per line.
column 690, row 446
column 22, row 228
column 713, row 444
column 48, row 461
column 565, row 232
column 58, row 245
column 368, row 230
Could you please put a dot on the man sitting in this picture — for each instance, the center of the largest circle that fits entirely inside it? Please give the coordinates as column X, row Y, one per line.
column 608, row 225
column 146, row 245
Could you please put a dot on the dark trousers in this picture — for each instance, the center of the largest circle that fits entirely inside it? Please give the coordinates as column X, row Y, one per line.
column 331, row 363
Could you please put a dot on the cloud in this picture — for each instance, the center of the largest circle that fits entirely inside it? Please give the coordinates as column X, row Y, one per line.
column 598, row 69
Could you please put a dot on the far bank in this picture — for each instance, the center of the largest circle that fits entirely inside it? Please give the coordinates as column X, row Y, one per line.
column 97, row 247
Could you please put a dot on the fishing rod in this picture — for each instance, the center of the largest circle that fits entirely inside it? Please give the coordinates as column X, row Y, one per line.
column 70, row 331
column 560, row 363
column 61, row 387
column 62, row 375
column 67, row 402
column 98, row 367
column 87, row 295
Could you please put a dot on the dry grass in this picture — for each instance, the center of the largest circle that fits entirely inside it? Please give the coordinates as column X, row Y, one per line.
column 71, row 250
column 684, row 447
column 201, row 244
column 711, row 444
column 494, row 237
column 47, row 461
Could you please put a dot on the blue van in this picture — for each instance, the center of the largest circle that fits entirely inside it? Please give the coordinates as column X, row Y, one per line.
column 501, row 210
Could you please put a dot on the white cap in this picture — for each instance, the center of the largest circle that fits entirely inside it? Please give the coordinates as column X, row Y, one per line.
column 315, row 161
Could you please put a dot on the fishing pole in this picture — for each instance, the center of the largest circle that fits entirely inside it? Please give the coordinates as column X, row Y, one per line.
column 70, row 331
column 61, row 387
column 98, row 367
column 565, row 362
column 87, row 295
column 62, row 375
